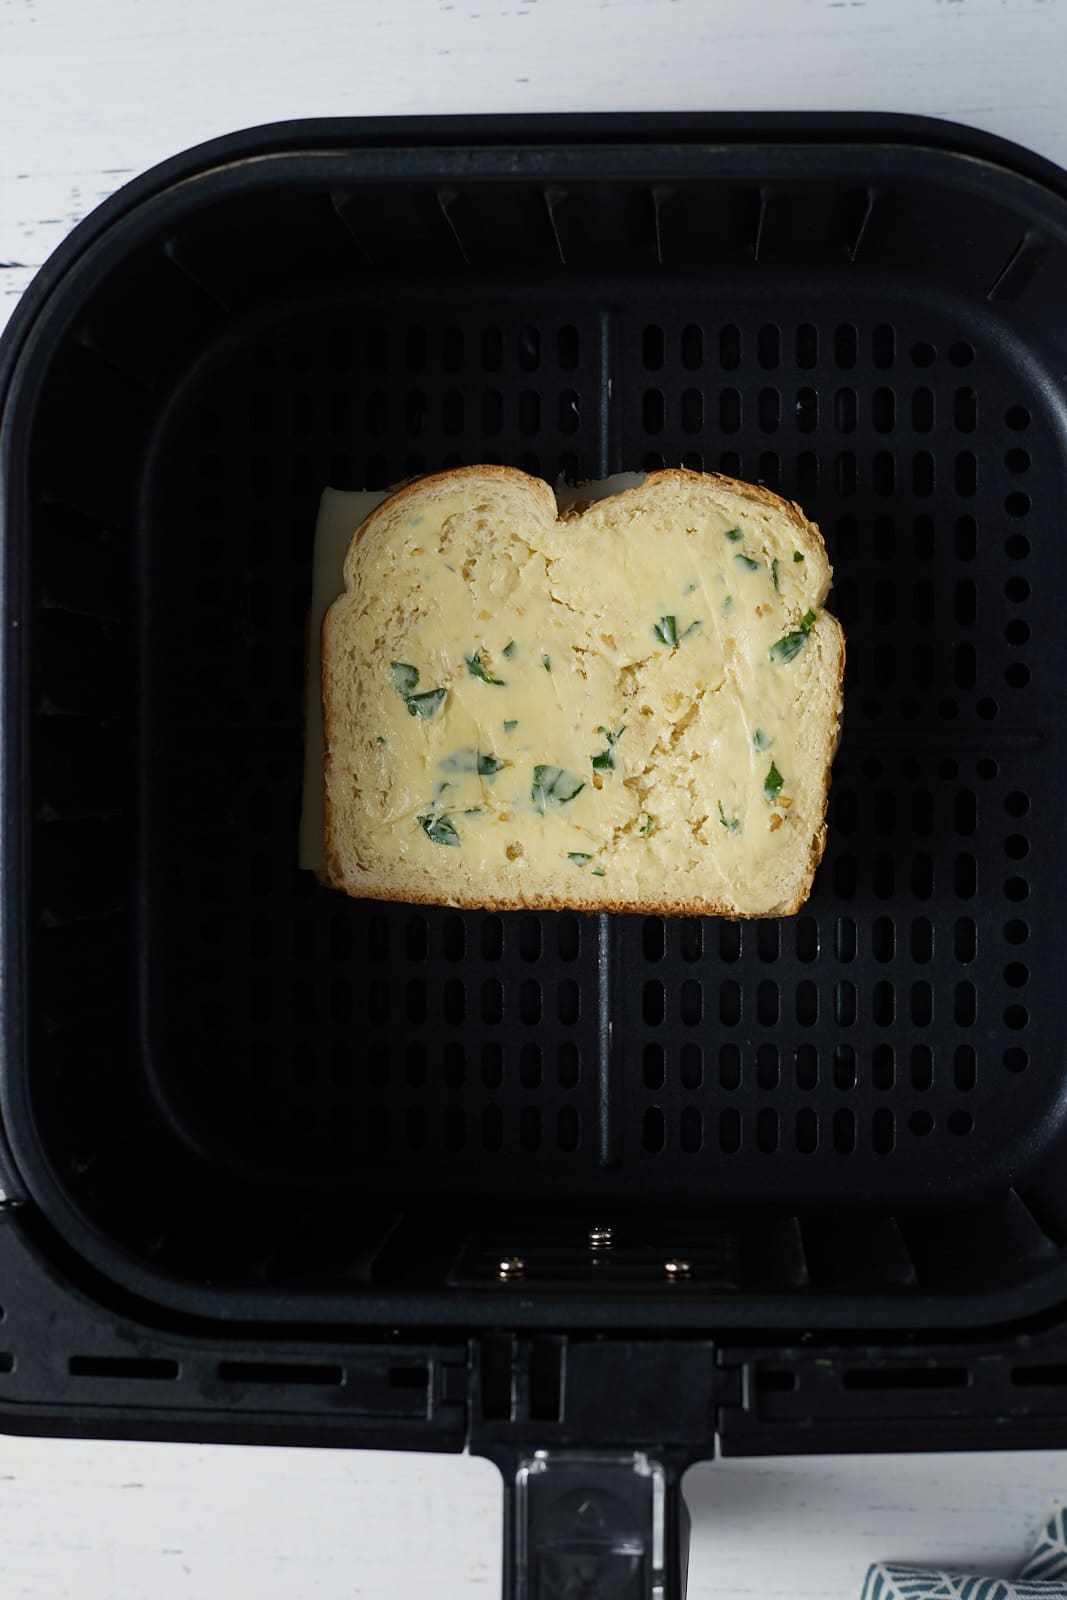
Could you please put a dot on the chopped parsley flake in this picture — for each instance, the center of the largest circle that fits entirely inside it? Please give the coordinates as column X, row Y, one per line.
column 546, row 662
column 734, row 535
column 404, row 676
column 605, row 760
column 647, row 825
column 798, row 555
column 470, row 760
column 785, row 648
column 597, row 872
column 774, row 575
column 438, row 829
column 553, row 786
column 728, row 605
column 579, row 858
column 477, row 669
column 748, row 562
column 772, row 784
column 761, row 740
column 510, row 724
column 731, row 824
column 425, row 705
column 510, row 648
column 666, row 631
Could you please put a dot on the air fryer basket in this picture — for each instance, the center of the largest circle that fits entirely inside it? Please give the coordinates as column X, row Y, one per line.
column 236, row 1100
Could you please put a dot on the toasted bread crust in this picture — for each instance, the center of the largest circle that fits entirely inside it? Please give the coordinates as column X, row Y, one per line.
column 414, row 489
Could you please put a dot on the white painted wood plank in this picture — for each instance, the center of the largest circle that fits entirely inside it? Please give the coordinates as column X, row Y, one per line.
column 119, row 1521
column 110, row 1521
column 90, row 93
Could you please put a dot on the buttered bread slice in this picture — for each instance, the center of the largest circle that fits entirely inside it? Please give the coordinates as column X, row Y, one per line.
column 631, row 707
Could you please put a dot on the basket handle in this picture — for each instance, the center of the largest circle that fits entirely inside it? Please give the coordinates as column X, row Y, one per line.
column 600, row 1526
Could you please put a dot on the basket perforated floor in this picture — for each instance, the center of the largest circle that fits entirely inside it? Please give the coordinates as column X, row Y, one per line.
column 238, row 1041
column 467, row 1048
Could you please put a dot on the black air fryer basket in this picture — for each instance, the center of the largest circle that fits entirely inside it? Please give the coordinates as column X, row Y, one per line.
column 591, row 1196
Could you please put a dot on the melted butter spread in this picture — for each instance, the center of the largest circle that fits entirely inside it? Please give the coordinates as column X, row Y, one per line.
column 615, row 698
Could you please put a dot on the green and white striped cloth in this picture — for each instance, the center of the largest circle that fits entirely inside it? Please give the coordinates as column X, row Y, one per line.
column 1044, row 1577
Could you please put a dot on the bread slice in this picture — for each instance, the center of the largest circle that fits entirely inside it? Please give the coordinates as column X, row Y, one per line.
column 632, row 707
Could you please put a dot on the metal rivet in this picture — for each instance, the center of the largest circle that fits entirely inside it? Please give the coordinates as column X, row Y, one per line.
column 600, row 1238
column 511, row 1267
column 677, row 1269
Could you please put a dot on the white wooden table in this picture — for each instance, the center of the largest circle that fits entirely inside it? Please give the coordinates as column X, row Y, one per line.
column 93, row 91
